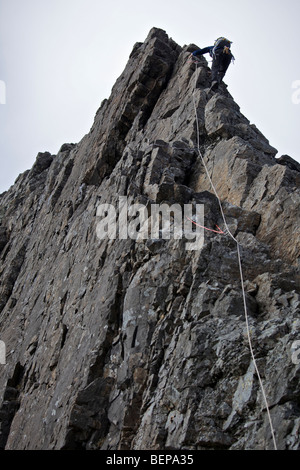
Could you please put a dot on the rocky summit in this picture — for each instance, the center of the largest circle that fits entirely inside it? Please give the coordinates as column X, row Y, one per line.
column 120, row 337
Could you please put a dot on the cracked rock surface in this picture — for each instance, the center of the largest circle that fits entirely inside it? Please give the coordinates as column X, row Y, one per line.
column 139, row 343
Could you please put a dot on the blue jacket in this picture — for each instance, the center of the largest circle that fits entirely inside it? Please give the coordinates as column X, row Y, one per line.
column 209, row 49
column 203, row 51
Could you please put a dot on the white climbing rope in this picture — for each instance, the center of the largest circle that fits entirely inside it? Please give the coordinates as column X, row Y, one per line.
column 240, row 266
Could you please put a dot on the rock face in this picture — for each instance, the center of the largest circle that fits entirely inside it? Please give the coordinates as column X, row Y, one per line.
column 139, row 343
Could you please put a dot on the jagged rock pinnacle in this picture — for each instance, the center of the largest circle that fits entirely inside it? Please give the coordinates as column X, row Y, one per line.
column 139, row 343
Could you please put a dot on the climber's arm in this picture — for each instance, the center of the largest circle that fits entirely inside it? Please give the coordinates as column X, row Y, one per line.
column 205, row 50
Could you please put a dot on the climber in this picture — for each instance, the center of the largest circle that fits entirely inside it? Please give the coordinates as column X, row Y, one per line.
column 222, row 56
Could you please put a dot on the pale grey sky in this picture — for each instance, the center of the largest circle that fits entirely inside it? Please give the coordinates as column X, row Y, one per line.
column 60, row 58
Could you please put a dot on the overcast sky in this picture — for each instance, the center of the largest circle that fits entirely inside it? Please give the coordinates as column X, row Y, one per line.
column 60, row 58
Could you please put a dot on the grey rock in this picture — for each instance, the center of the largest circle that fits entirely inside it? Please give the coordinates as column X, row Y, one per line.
column 141, row 343
column 290, row 162
column 3, row 238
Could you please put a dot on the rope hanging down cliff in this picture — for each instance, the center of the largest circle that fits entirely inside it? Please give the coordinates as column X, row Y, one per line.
column 239, row 261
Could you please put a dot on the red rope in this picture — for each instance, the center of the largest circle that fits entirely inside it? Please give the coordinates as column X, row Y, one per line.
column 215, row 231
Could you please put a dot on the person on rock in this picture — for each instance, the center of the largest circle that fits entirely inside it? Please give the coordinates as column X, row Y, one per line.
column 222, row 57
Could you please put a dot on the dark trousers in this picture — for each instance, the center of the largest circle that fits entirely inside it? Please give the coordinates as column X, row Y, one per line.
column 220, row 64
